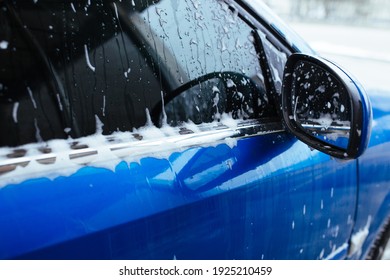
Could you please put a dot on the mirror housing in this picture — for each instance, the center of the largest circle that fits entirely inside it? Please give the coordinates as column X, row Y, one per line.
column 324, row 107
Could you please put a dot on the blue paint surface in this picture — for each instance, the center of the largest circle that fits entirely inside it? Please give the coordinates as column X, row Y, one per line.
column 374, row 175
column 264, row 198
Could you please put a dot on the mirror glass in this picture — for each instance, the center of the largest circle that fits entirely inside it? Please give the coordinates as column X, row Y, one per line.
column 320, row 104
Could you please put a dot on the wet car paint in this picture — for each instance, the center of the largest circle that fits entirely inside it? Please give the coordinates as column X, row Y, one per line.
column 266, row 202
column 374, row 176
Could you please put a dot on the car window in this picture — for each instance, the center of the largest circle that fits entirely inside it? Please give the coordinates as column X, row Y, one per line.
column 212, row 45
column 78, row 58
column 70, row 68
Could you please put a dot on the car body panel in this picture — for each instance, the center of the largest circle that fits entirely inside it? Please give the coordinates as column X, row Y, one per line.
column 373, row 209
column 212, row 202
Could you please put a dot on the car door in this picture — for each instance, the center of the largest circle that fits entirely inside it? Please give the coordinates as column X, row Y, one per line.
column 154, row 133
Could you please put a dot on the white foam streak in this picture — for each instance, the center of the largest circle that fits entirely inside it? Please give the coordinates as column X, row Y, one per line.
column 87, row 59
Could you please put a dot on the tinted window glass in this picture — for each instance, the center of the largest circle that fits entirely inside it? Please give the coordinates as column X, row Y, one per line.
column 198, row 38
column 81, row 63
column 65, row 64
column 28, row 110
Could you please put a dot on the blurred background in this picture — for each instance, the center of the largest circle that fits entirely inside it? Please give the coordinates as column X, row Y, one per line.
column 353, row 33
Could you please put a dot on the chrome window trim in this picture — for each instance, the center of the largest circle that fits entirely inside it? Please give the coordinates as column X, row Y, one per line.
column 184, row 138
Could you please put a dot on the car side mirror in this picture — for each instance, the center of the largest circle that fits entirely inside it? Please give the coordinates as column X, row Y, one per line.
column 324, row 107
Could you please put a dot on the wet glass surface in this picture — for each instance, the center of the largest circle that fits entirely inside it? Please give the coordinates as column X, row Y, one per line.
column 321, row 104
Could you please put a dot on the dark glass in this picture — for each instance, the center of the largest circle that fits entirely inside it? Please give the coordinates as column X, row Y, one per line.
column 321, row 104
column 65, row 64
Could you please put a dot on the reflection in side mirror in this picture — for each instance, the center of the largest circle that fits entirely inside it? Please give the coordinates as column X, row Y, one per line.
column 321, row 104
column 324, row 107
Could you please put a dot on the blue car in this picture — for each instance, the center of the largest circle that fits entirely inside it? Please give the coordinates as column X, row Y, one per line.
column 171, row 129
